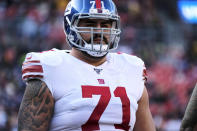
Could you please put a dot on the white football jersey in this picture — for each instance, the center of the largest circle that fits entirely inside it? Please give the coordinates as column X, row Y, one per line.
column 86, row 97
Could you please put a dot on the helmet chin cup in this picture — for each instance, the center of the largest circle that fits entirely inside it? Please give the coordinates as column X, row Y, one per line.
column 96, row 54
column 94, row 50
column 96, row 47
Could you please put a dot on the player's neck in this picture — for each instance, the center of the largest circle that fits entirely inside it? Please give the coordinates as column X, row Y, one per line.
column 92, row 61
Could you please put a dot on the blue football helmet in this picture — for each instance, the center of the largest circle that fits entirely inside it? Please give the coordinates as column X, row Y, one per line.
column 92, row 9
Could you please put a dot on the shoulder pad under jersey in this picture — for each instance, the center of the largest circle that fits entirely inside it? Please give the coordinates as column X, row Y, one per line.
column 134, row 61
column 34, row 63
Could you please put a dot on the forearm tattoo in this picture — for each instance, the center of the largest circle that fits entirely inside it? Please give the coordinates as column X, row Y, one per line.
column 36, row 108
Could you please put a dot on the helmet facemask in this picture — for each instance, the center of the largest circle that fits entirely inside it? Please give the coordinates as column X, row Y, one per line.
column 108, row 37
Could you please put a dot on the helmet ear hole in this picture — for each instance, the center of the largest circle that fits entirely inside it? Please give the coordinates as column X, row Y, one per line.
column 84, row 9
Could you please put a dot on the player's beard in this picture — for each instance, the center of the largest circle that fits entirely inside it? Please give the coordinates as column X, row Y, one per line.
column 96, row 40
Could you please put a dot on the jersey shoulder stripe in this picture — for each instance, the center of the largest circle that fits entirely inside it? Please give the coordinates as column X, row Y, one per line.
column 32, row 68
column 36, row 64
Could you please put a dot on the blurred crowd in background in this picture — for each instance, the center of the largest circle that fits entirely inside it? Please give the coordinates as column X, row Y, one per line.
column 151, row 29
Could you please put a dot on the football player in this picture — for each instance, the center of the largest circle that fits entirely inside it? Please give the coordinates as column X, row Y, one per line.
column 189, row 122
column 87, row 88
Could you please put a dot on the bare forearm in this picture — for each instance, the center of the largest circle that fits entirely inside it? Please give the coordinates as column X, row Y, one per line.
column 190, row 117
column 36, row 108
column 144, row 121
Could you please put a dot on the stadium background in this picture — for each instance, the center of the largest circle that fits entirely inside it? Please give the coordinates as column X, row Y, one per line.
column 151, row 29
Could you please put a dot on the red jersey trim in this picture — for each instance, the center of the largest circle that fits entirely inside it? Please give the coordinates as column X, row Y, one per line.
column 29, row 62
column 145, row 75
column 33, row 68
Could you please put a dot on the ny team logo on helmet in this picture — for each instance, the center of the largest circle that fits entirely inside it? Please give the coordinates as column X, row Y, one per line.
column 91, row 9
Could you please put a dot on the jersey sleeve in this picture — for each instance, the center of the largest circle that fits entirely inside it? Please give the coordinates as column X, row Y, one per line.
column 139, row 63
column 41, row 66
column 136, row 67
column 32, row 67
column 142, row 69
column 142, row 76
